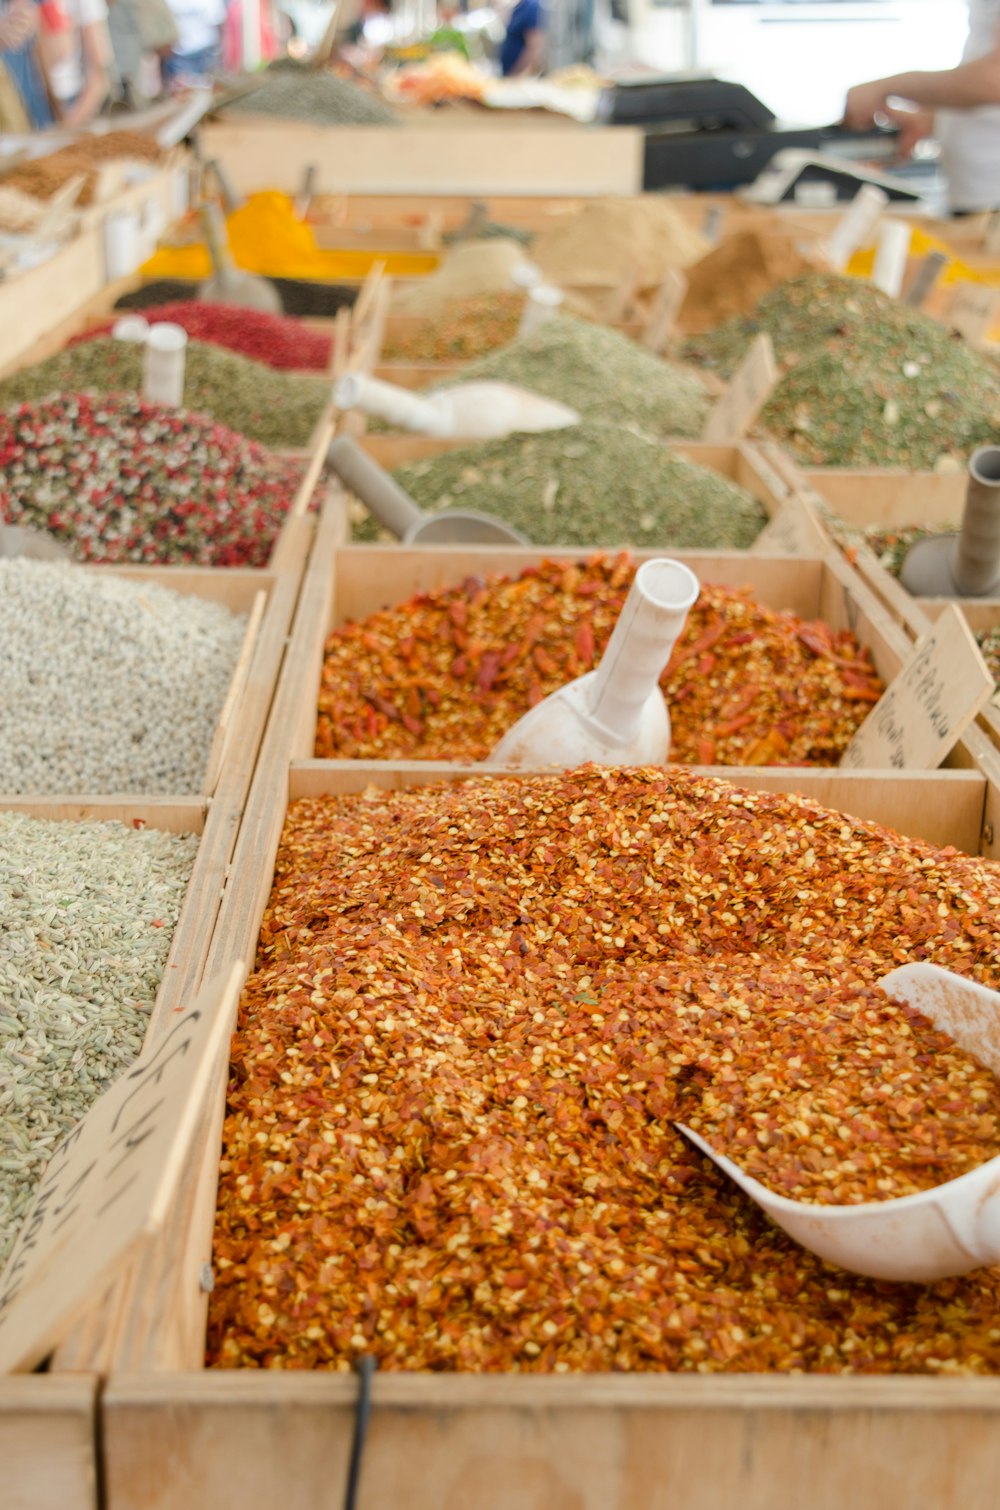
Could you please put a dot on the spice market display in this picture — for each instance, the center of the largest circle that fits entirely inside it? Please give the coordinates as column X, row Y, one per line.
column 89, row 910
column 110, row 685
column 592, row 484
column 478, row 1011
column 866, row 380
column 467, row 328
column 120, row 480
column 299, row 297
column 601, row 374
column 445, row 675
column 41, row 177
column 252, row 398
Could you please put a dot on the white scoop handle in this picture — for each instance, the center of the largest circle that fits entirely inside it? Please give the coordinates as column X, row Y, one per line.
column 398, row 406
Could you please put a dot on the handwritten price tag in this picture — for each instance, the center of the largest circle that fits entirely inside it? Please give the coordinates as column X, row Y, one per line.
column 108, row 1186
column 973, row 310
column 926, row 709
column 746, row 395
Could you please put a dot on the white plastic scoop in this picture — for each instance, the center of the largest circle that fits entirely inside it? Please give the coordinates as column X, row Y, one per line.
column 474, row 411
column 615, row 715
column 918, row 1238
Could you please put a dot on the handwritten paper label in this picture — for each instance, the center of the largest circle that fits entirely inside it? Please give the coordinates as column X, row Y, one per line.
column 856, row 226
column 666, row 307
column 59, row 209
column 973, row 310
column 746, row 395
column 109, row 1184
column 927, row 708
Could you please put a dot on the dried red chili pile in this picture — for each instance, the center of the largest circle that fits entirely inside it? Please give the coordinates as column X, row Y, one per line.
column 478, row 1009
column 466, row 330
column 275, row 340
column 118, row 479
column 443, row 676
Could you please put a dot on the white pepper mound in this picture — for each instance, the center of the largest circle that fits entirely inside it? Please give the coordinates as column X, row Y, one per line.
column 108, row 685
column 87, row 911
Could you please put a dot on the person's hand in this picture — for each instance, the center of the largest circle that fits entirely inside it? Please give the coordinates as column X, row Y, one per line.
column 18, row 25
column 863, row 103
column 913, row 125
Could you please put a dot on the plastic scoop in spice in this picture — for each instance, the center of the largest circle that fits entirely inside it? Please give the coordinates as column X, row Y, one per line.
column 474, row 411
column 615, row 715
column 936, row 1233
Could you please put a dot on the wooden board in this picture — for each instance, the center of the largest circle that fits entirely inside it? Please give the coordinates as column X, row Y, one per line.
column 867, row 496
column 601, row 1442
column 48, row 1442
column 502, row 156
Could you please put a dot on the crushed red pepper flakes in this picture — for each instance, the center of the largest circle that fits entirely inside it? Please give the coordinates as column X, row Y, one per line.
column 444, row 675
column 276, row 340
column 477, row 1010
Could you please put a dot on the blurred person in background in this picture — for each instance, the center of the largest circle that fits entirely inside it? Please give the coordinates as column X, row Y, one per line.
column 78, row 59
column 961, row 106
column 20, row 23
column 195, row 55
column 523, row 48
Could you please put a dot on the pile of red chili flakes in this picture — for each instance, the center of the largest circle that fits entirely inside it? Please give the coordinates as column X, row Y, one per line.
column 477, row 1011
column 443, row 676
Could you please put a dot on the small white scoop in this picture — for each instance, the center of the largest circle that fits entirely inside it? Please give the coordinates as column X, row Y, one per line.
column 615, row 715
column 473, row 411
column 936, row 1233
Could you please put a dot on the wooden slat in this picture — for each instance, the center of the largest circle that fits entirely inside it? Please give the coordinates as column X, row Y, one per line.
column 601, row 1442
column 48, row 1442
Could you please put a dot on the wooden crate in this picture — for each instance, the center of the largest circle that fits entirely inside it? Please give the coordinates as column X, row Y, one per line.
column 178, row 1437
column 483, row 153
column 862, row 496
column 43, row 299
column 48, row 1421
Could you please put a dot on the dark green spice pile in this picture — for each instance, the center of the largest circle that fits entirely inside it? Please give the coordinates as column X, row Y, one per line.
column 603, row 375
column 298, row 94
column 595, row 484
column 278, row 409
column 298, row 296
column 869, row 382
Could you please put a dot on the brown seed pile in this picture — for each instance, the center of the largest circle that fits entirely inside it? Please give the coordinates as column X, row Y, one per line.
column 43, row 176
column 445, row 675
column 478, row 1010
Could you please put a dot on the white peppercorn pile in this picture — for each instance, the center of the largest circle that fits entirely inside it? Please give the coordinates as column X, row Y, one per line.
column 88, row 912
column 108, row 685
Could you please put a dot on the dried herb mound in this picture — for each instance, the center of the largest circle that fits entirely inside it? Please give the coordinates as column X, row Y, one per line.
column 603, row 375
column 275, row 340
column 298, row 94
column 445, row 675
column 477, row 1011
column 469, row 328
column 869, row 382
column 117, row 479
column 278, row 409
column 593, row 484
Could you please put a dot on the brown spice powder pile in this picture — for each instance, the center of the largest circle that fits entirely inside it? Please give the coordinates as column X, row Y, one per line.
column 445, row 675
column 43, row 176
column 735, row 275
column 478, row 1009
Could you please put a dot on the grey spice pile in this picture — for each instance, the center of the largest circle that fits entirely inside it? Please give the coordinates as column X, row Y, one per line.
column 298, row 94
column 594, row 484
column 88, row 913
column 867, row 381
column 601, row 374
column 278, row 409
column 108, row 685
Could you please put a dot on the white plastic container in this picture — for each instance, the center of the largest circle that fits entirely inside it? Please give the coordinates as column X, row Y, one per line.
column 134, row 328
column 542, row 304
column 122, row 244
column 163, row 369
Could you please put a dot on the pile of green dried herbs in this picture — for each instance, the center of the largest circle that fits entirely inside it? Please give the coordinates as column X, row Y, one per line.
column 594, row 484
column 278, row 409
column 603, row 375
column 298, row 94
column 867, row 381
